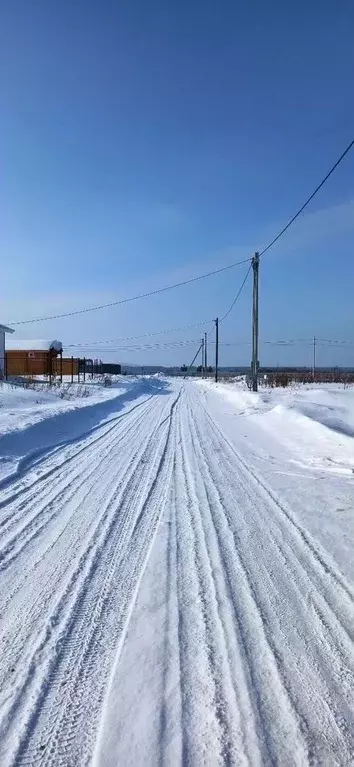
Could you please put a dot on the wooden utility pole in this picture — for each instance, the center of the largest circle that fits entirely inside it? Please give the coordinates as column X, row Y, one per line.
column 203, row 351
column 314, row 359
column 192, row 363
column 216, row 349
column 254, row 371
column 206, row 353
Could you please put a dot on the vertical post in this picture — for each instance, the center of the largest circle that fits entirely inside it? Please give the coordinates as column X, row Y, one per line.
column 5, row 364
column 72, row 370
column 61, row 367
column 84, row 369
column 202, row 357
column 206, row 354
column 255, row 266
column 216, row 349
column 50, row 368
column 78, row 369
column 314, row 359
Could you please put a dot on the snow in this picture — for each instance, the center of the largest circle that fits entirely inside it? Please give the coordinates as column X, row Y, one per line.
column 315, row 422
column 39, row 417
column 178, row 580
column 37, row 344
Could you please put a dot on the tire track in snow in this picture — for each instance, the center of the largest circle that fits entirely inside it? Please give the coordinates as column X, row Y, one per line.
column 27, row 487
column 261, row 688
column 263, row 655
column 139, row 538
column 264, row 619
column 17, row 484
column 30, row 615
column 212, row 722
column 320, row 558
column 328, row 582
column 54, row 497
column 45, row 557
column 83, row 618
column 335, row 706
column 262, row 695
column 171, row 708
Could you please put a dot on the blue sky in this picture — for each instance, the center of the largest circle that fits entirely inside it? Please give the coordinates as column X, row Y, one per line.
column 143, row 143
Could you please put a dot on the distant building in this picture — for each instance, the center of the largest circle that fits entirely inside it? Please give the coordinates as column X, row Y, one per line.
column 32, row 357
column 3, row 329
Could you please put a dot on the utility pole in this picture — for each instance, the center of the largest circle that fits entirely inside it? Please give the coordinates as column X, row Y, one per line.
column 192, row 363
column 216, row 349
column 314, row 359
column 206, row 354
column 203, row 350
column 254, row 370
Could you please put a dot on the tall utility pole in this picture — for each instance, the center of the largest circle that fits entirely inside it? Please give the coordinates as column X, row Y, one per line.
column 206, row 353
column 254, row 371
column 314, row 359
column 216, row 349
column 203, row 357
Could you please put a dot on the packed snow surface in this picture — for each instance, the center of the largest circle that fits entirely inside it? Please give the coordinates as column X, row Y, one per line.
column 178, row 579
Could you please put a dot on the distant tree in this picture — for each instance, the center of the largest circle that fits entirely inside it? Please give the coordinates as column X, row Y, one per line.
column 184, row 369
column 210, row 369
column 199, row 368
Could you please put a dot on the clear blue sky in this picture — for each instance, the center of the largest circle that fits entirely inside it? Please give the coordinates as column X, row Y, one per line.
column 146, row 142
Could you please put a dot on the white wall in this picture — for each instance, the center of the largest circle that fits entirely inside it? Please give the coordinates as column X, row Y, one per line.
column 2, row 352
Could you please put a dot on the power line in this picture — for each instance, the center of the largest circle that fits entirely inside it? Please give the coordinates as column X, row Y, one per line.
column 132, row 298
column 237, row 295
column 180, row 343
column 134, row 338
column 135, row 347
column 270, row 245
column 331, row 341
column 199, row 277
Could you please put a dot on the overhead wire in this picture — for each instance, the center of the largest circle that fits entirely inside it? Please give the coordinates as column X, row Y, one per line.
column 144, row 335
column 287, row 226
column 130, row 299
column 134, row 347
column 187, row 342
column 297, row 214
column 198, row 277
column 237, row 295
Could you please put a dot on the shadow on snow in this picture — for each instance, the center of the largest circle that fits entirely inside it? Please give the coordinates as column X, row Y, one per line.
column 67, row 428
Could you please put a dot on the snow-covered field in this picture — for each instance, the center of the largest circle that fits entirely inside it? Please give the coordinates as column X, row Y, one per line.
column 177, row 577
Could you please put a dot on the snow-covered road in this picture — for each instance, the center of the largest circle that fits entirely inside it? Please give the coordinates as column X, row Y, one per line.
column 162, row 604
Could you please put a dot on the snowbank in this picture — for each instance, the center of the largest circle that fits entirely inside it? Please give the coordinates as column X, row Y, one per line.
column 22, row 407
column 37, row 419
column 315, row 422
column 331, row 404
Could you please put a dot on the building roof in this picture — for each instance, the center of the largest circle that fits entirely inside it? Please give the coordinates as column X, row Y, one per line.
column 5, row 329
column 33, row 345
